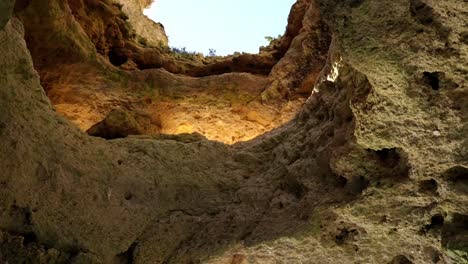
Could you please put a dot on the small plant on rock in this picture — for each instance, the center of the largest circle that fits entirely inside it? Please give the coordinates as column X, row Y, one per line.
column 212, row 53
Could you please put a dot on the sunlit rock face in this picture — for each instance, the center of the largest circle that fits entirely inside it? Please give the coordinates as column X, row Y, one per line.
column 307, row 39
column 371, row 170
column 147, row 31
column 108, row 68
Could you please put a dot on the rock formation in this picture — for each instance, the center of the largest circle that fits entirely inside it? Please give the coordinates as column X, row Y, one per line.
column 373, row 168
column 147, row 31
column 121, row 123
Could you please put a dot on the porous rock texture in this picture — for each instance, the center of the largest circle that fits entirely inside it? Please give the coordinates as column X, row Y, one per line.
column 305, row 44
column 147, row 30
column 101, row 72
column 372, row 170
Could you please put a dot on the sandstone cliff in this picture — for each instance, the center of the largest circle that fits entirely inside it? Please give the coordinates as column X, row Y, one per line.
column 373, row 168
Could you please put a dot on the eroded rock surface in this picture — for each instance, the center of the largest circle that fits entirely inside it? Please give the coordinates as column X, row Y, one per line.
column 372, row 170
column 102, row 71
column 120, row 123
column 148, row 31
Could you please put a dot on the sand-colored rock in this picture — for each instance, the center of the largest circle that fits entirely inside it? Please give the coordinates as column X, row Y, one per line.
column 100, row 73
column 148, row 32
column 307, row 40
column 372, row 170
column 121, row 123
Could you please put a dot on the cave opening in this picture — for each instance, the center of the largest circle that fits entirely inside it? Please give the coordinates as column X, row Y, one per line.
column 117, row 59
column 327, row 186
column 221, row 27
column 121, row 78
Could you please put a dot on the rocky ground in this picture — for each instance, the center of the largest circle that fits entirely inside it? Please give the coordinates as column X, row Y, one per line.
column 367, row 161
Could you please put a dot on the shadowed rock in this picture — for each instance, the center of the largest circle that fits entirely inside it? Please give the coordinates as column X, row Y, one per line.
column 120, row 123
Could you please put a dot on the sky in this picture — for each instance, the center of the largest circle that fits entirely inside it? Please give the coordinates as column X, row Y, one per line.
column 224, row 25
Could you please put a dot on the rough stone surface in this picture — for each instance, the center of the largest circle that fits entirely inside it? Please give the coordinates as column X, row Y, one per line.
column 147, row 30
column 6, row 8
column 307, row 40
column 120, row 123
column 101, row 31
column 372, row 170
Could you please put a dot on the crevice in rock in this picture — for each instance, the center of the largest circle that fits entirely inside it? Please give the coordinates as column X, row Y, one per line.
column 356, row 185
column 345, row 234
column 116, row 58
column 128, row 195
column 127, row 257
column 455, row 233
column 389, row 156
column 422, row 11
column 394, row 162
column 457, row 178
column 21, row 5
column 432, row 79
column 437, row 222
column 22, row 216
column 401, row 259
column 27, row 238
column 429, row 186
column 293, row 186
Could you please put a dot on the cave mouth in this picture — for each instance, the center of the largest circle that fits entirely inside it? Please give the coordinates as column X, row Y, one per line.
column 215, row 28
column 109, row 96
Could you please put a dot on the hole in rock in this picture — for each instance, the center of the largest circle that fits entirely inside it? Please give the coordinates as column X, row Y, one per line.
column 116, row 58
column 26, row 238
column 428, row 186
column 128, row 196
column 221, row 27
column 400, row 259
column 457, row 178
column 437, row 221
column 126, row 257
column 345, row 235
column 422, row 12
column 392, row 162
column 151, row 91
column 29, row 238
column 455, row 233
column 387, row 154
column 432, row 79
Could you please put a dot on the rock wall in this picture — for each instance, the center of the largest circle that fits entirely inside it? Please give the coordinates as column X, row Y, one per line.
column 147, row 30
column 101, row 73
column 306, row 41
column 6, row 7
column 372, row 170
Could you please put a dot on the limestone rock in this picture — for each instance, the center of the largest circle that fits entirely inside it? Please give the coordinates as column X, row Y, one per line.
column 357, row 176
column 6, row 8
column 120, row 123
column 307, row 39
column 147, row 31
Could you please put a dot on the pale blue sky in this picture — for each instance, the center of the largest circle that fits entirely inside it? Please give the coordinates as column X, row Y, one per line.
column 224, row 25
